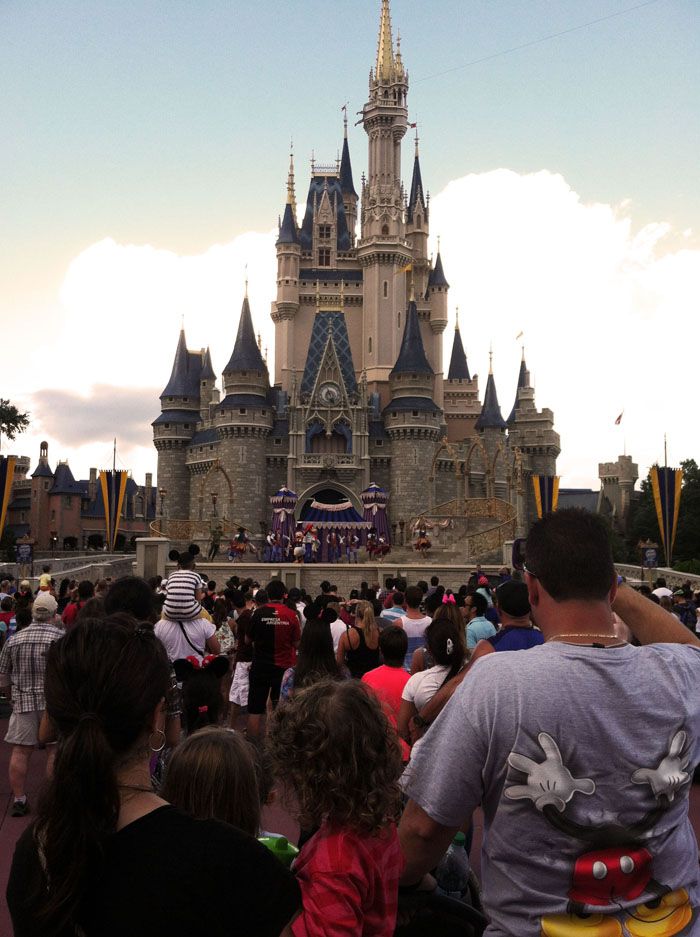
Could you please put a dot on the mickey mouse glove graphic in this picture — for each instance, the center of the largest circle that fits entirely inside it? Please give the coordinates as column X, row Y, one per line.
column 549, row 782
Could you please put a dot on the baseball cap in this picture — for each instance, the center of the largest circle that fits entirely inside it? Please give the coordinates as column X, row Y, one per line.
column 45, row 602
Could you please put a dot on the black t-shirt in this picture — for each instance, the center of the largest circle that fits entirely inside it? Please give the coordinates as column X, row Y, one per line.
column 167, row 873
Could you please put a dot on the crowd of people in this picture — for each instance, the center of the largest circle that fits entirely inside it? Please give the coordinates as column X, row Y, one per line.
column 560, row 701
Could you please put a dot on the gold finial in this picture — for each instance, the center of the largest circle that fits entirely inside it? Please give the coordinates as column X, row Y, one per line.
column 416, row 138
column 265, row 354
column 344, row 109
column 412, row 291
column 491, row 358
column 457, row 319
column 259, row 342
column 523, row 350
column 385, row 48
column 438, row 243
column 291, row 197
column 313, row 163
column 245, row 274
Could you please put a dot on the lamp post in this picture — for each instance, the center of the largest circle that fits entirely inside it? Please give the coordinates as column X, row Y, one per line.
column 162, row 492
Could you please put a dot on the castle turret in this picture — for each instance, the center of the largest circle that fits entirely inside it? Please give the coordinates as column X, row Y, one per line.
column 490, row 417
column 243, row 421
column 412, row 419
column 42, row 480
column 437, row 293
column 347, row 185
column 286, row 306
column 175, row 427
column 417, row 219
column 461, row 393
column 617, row 481
column 532, row 432
column 383, row 249
column 208, row 393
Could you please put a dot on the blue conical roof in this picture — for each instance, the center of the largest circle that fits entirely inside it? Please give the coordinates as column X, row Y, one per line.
column 490, row 416
column 288, row 229
column 412, row 357
column 185, row 376
column 346, row 184
column 416, row 189
column 459, row 369
column 246, row 354
column 208, row 373
column 437, row 274
column 522, row 382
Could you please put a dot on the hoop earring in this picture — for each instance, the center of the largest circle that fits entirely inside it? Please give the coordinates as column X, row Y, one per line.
column 162, row 744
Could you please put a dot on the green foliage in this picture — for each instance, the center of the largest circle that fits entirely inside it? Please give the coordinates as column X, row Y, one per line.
column 11, row 420
column 644, row 525
column 7, row 546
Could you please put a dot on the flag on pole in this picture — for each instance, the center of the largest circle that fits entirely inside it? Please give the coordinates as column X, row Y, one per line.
column 619, row 419
column 406, row 269
column 519, row 335
column 546, row 493
column 113, row 485
column 413, row 126
column 666, row 486
column 7, row 475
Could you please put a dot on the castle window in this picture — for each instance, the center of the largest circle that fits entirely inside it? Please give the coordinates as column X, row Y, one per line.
column 394, row 413
column 170, row 399
column 187, row 425
column 419, row 221
column 414, row 412
column 378, row 442
column 67, row 501
column 324, row 257
column 242, row 410
column 278, row 442
column 211, row 447
column 264, row 412
column 166, row 425
column 324, row 231
column 386, row 288
column 398, row 320
column 385, row 229
column 369, row 346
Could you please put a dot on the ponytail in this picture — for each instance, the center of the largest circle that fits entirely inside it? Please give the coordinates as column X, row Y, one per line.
column 104, row 680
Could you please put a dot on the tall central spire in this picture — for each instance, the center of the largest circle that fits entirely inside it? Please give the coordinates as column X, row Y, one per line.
column 385, row 48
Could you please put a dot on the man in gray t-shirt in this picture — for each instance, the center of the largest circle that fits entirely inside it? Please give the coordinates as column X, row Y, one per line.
column 580, row 752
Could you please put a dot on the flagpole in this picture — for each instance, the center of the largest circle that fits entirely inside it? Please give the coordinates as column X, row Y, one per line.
column 114, row 499
column 668, row 516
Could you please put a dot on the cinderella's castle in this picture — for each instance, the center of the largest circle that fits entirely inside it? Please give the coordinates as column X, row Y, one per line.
column 359, row 392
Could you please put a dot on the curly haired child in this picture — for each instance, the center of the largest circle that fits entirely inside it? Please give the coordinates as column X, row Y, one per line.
column 336, row 752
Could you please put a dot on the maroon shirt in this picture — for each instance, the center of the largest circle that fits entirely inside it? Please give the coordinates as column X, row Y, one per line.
column 275, row 632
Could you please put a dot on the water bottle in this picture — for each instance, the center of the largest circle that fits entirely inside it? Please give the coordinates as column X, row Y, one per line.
column 452, row 873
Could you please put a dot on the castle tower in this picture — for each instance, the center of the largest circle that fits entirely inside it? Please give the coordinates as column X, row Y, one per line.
column 347, row 185
column 42, row 480
column 438, row 288
column 412, row 419
column 243, row 421
column 461, row 393
column 383, row 249
column 208, row 393
column 175, row 427
column 532, row 432
column 286, row 307
column 617, row 481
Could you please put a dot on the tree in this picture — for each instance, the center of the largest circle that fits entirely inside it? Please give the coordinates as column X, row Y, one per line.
column 11, row 420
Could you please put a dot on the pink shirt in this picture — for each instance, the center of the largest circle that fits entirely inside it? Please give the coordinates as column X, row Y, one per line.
column 349, row 883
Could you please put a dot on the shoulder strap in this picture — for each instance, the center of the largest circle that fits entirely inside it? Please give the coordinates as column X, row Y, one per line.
column 201, row 651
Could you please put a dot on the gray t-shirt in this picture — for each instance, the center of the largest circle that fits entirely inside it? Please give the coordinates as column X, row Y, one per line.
column 582, row 759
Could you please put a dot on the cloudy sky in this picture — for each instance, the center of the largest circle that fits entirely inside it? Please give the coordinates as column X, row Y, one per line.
column 144, row 165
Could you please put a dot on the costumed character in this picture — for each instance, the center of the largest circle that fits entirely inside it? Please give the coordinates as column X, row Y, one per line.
column 239, row 545
column 352, row 546
column 422, row 544
column 269, row 548
column 333, row 546
column 299, row 547
column 315, row 546
column 276, row 549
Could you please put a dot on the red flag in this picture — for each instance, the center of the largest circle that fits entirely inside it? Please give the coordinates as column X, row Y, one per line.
column 619, row 419
column 413, row 126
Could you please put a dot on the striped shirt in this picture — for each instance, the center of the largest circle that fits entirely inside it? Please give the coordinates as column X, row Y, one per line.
column 23, row 664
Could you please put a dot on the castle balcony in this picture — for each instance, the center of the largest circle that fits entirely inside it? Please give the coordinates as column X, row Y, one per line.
column 329, row 460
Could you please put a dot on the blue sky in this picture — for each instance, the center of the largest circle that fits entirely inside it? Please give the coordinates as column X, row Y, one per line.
column 168, row 124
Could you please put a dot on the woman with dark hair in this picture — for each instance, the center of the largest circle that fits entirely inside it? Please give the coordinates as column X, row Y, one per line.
column 447, row 649
column 315, row 656
column 63, row 596
column 106, row 855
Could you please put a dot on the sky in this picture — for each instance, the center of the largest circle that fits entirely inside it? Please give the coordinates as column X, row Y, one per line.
column 144, row 158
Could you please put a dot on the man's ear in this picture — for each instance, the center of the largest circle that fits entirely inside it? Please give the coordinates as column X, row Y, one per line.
column 533, row 589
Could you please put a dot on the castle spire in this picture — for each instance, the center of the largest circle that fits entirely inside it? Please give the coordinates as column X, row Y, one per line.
column 347, row 186
column 523, row 381
column 417, row 195
column 246, row 354
column 459, row 369
column 291, row 198
column 490, row 416
column 288, row 232
column 385, row 47
column 412, row 357
column 184, row 378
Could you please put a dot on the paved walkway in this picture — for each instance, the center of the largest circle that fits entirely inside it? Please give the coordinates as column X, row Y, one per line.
column 274, row 818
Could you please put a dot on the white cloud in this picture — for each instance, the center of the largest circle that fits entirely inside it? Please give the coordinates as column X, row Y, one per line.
column 608, row 314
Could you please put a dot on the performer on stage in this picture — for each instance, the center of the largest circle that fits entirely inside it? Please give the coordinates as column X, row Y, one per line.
column 352, row 545
column 238, row 545
column 299, row 546
column 333, row 547
column 422, row 544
